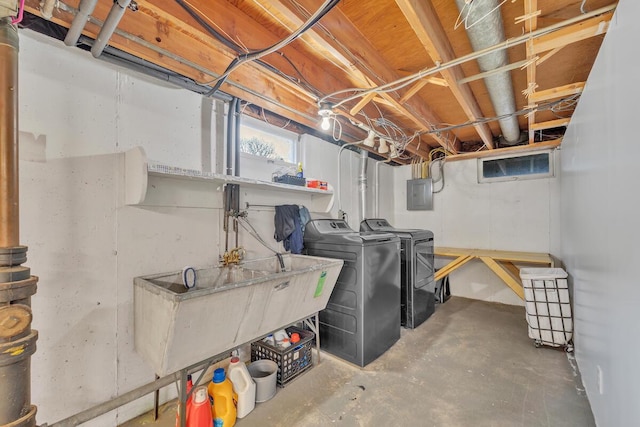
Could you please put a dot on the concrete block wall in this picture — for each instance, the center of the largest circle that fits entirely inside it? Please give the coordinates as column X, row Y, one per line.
column 512, row 215
column 77, row 116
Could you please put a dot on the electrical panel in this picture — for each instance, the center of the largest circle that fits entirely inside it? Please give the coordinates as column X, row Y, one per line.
column 420, row 194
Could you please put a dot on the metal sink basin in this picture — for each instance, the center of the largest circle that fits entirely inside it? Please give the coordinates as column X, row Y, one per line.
column 210, row 278
column 229, row 306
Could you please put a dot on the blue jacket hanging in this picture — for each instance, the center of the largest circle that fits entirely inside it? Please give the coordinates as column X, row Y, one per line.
column 288, row 228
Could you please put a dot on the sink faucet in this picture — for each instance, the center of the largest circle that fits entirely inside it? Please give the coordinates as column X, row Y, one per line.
column 234, row 256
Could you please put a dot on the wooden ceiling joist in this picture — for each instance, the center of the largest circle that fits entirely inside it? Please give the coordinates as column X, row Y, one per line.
column 550, row 124
column 548, row 55
column 368, row 58
column 546, row 145
column 425, row 23
column 557, row 92
column 335, row 55
column 573, row 33
column 413, row 90
column 361, row 104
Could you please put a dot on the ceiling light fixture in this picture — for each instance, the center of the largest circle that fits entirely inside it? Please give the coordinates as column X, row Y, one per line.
column 394, row 151
column 383, row 148
column 369, row 141
column 325, row 112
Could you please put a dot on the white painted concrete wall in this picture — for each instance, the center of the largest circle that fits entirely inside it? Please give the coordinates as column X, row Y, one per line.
column 514, row 215
column 600, row 230
column 86, row 245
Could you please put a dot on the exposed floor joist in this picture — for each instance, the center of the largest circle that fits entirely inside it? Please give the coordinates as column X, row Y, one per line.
column 557, row 92
column 546, row 145
column 369, row 59
column 425, row 23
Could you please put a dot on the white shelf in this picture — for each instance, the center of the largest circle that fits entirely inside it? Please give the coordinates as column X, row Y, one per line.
column 154, row 184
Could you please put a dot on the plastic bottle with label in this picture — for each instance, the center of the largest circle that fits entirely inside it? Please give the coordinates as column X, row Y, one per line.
column 224, row 400
column 243, row 386
column 199, row 412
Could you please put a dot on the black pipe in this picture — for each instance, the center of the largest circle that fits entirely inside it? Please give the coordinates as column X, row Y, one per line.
column 236, row 139
column 126, row 60
column 231, row 130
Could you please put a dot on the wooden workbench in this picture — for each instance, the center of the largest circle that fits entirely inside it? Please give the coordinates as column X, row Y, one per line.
column 500, row 262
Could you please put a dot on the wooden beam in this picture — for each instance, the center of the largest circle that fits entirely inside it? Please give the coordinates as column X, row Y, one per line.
column 514, row 283
column 425, row 23
column 364, row 101
column 511, row 267
column 364, row 57
column 453, row 265
column 292, row 19
column 510, row 150
column 573, row 33
column 550, row 124
column 200, row 58
column 548, row 55
column 557, row 92
column 413, row 90
column 420, row 84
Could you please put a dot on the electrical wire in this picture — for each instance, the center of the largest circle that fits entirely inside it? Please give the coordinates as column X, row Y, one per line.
column 468, row 6
column 252, row 56
column 440, row 161
column 242, row 49
column 405, row 81
column 541, row 107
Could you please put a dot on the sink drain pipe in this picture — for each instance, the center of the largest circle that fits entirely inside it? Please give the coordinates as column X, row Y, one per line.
column 362, row 185
column 231, row 134
column 17, row 339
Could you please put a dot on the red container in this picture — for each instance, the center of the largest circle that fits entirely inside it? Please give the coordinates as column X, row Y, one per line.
column 188, row 405
column 199, row 412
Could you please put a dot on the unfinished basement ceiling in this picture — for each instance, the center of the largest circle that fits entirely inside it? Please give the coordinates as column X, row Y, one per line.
column 359, row 46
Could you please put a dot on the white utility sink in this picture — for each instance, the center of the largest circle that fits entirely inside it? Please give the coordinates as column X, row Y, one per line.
column 229, row 306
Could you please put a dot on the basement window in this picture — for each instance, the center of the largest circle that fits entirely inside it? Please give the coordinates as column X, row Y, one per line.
column 515, row 167
column 262, row 139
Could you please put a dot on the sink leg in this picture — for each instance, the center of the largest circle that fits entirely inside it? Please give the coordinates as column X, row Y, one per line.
column 156, row 402
column 315, row 328
column 317, row 317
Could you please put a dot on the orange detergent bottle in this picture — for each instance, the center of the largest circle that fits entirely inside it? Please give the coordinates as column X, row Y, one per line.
column 188, row 403
column 223, row 399
column 199, row 414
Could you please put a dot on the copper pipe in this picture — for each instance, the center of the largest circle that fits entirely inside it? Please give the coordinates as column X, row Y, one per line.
column 9, row 196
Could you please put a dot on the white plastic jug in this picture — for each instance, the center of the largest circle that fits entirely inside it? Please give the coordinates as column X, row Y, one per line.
column 243, row 385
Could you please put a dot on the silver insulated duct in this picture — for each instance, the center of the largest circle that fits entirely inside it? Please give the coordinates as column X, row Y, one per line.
column 483, row 21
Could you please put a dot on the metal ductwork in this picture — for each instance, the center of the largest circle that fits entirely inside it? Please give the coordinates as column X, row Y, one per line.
column 17, row 339
column 483, row 22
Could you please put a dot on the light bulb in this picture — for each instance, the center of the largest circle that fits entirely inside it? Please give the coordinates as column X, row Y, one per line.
column 383, row 148
column 394, row 151
column 325, row 125
column 368, row 141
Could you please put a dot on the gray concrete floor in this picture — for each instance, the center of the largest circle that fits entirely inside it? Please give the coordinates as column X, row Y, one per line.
column 470, row 364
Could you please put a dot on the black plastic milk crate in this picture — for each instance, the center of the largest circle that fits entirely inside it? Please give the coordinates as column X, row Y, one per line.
column 292, row 361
